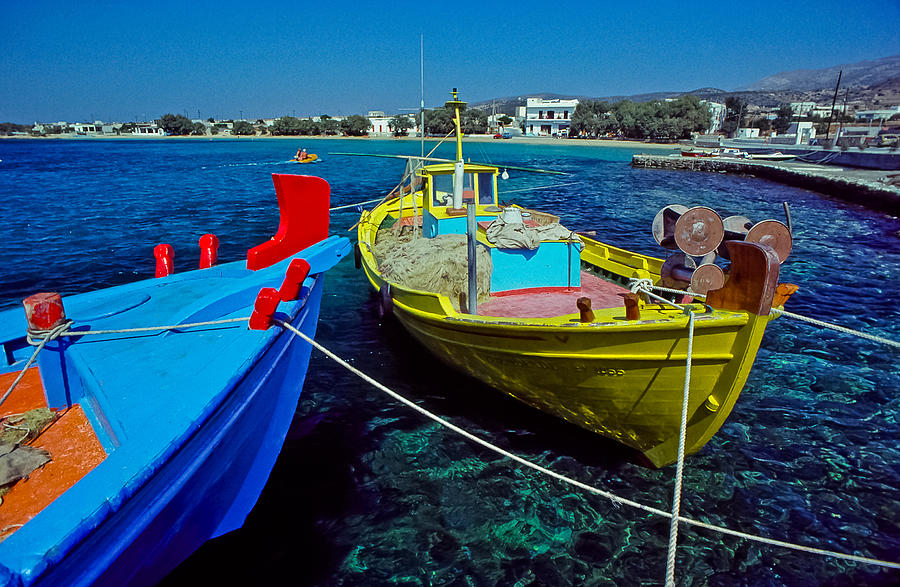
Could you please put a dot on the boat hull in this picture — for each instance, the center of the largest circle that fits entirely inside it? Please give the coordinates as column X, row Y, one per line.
column 623, row 379
column 210, row 485
column 624, row 383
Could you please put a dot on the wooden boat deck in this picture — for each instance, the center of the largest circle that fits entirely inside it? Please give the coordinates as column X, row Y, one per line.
column 74, row 451
column 541, row 303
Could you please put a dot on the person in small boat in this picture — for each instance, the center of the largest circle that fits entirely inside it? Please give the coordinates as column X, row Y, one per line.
column 301, row 154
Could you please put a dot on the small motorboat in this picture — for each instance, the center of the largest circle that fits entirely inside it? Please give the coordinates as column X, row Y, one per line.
column 310, row 158
column 163, row 403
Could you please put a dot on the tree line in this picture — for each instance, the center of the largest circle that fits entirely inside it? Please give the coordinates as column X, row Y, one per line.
column 657, row 120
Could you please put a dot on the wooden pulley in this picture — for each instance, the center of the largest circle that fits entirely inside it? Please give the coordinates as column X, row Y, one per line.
column 736, row 229
column 774, row 234
column 707, row 277
column 664, row 225
column 699, row 231
column 680, row 271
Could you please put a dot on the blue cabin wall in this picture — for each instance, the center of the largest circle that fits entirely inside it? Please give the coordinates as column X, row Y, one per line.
column 552, row 264
column 432, row 227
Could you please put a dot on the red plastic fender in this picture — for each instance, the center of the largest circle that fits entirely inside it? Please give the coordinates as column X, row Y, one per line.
column 265, row 305
column 165, row 259
column 209, row 250
column 44, row 310
column 303, row 206
column 293, row 280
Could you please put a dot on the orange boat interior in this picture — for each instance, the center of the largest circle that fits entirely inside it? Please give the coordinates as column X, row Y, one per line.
column 70, row 439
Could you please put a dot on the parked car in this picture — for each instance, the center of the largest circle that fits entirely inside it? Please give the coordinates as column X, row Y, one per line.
column 504, row 135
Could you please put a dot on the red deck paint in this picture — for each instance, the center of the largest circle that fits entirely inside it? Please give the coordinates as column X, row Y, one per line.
column 541, row 303
column 70, row 440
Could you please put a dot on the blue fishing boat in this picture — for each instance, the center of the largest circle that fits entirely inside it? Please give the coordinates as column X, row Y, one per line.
column 168, row 399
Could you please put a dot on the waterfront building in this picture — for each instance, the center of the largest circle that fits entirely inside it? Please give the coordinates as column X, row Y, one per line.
column 717, row 113
column 883, row 114
column 380, row 126
column 548, row 117
column 147, row 128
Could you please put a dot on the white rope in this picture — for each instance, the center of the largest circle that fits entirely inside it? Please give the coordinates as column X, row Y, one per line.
column 39, row 338
column 616, row 500
column 355, row 205
column 679, row 471
column 843, row 329
column 542, row 187
column 48, row 335
column 641, row 285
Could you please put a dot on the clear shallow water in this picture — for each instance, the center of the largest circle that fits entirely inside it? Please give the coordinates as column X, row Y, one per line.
column 367, row 492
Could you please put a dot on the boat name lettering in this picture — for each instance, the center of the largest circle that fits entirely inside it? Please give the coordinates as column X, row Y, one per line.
column 553, row 366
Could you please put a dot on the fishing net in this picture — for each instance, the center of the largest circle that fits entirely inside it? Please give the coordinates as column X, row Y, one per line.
column 433, row 264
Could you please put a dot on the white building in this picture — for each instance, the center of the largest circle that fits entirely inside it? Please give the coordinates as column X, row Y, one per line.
column 878, row 114
column 548, row 117
column 717, row 113
column 381, row 125
column 802, row 108
column 147, row 128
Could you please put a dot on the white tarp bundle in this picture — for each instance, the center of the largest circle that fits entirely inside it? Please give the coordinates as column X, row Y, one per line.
column 515, row 235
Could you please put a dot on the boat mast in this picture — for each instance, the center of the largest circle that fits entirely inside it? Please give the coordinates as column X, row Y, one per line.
column 422, row 82
column 458, row 169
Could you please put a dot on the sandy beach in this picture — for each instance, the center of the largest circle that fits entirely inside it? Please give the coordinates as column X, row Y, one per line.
column 615, row 143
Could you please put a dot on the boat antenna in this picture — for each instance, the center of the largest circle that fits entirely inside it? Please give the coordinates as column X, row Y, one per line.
column 422, row 82
column 459, row 165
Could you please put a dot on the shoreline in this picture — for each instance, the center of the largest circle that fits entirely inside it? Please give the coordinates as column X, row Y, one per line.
column 612, row 143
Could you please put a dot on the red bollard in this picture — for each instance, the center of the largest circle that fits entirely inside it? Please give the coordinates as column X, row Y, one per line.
column 293, row 280
column 165, row 260
column 266, row 304
column 209, row 247
column 44, row 311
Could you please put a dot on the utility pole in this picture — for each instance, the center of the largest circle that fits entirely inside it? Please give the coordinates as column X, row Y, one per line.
column 833, row 101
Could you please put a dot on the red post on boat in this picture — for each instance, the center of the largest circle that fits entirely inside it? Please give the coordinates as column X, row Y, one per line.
column 209, row 250
column 293, row 280
column 165, row 259
column 44, row 311
column 265, row 305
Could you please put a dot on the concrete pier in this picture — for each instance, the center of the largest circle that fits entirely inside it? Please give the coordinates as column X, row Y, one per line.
column 878, row 190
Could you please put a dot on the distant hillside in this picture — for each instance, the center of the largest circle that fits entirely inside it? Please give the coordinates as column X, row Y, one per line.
column 863, row 73
column 869, row 84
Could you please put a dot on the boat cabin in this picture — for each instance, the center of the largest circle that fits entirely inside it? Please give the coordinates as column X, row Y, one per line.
column 479, row 186
column 552, row 264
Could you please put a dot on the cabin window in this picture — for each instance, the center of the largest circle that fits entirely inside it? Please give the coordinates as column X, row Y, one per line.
column 485, row 189
column 442, row 191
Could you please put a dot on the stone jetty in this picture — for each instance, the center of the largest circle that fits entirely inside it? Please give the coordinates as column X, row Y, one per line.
column 878, row 190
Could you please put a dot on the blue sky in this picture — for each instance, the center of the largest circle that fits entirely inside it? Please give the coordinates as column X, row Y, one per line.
column 117, row 61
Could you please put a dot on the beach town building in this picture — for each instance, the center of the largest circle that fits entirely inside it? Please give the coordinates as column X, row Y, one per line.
column 802, row 108
column 717, row 113
column 380, row 125
column 548, row 117
column 882, row 114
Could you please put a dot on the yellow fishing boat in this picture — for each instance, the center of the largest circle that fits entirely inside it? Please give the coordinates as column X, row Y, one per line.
column 556, row 325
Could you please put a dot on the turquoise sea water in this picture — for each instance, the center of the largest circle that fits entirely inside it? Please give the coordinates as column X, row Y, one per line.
column 367, row 492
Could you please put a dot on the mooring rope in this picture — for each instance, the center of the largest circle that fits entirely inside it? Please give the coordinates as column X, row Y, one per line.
column 39, row 338
column 679, row 470
column 616, row 500
column 643, row 285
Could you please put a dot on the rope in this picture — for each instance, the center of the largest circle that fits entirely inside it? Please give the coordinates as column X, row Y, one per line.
column 843, row 329
column 355, row 205
column 640, row 285
column 542, row 187
column 676, row 498
column 616, row 500
column 39, row 338
column 48, row 335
